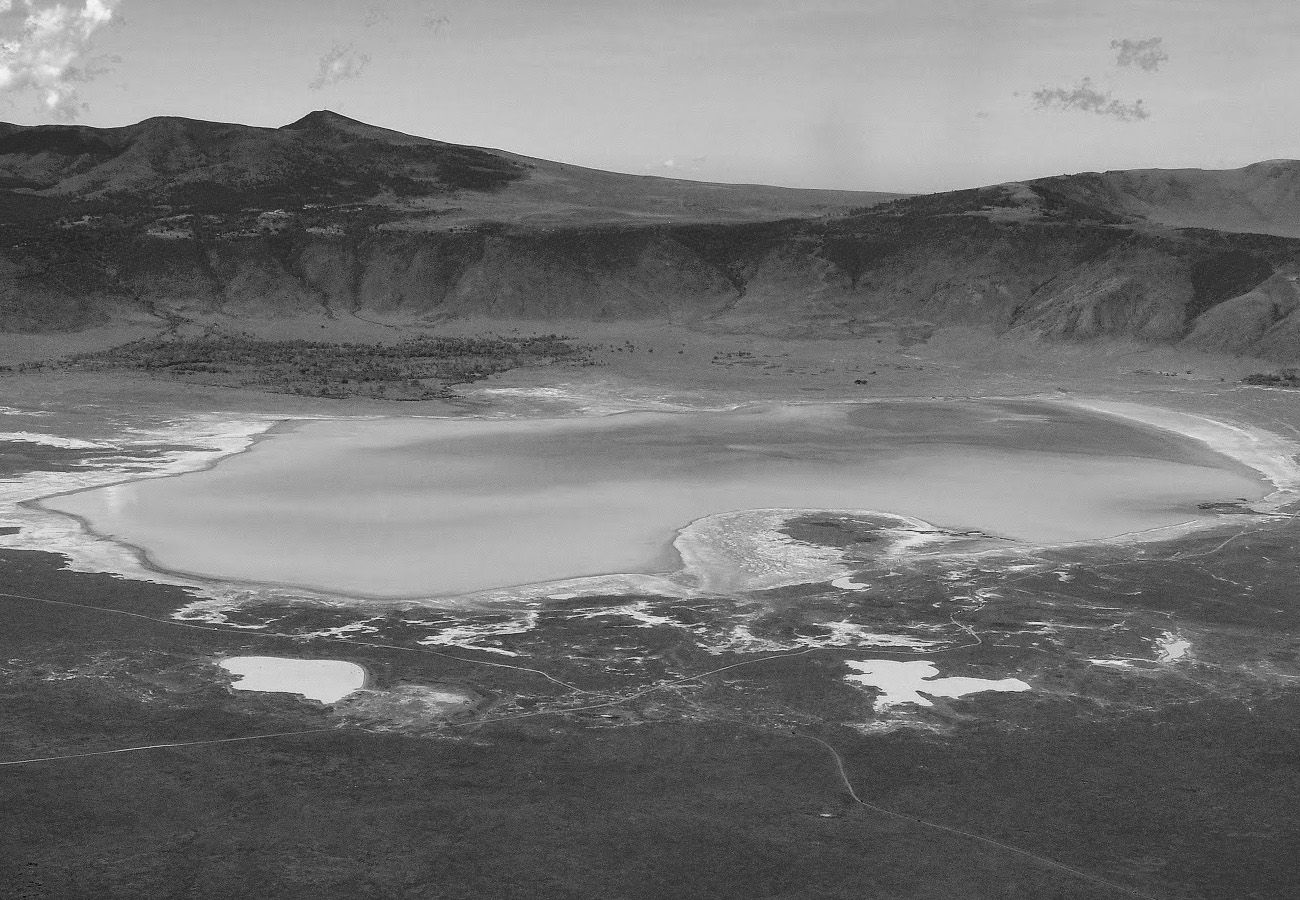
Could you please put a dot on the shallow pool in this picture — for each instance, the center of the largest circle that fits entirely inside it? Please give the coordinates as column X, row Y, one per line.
column 326, row 680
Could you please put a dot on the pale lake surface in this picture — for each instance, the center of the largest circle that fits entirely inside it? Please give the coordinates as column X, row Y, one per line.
column 434, row 507
column 326, row 680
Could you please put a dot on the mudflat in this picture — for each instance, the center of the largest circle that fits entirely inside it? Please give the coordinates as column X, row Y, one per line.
column 405, row 507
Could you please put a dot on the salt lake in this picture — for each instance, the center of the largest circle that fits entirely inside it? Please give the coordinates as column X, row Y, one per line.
column 426, row 507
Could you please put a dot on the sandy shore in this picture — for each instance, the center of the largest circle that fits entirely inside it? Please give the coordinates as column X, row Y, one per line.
column 1269, row 454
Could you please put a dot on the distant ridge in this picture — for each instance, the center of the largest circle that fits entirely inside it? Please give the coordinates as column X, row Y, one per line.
column 173, row 221
column 325, row 157
column 1263, row 198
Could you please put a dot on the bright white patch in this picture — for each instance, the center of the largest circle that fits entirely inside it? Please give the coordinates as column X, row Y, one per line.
column 905, row 682
column 326, row 680
column 848, row 584
column 741, row 639
column 45, row 54
column 343, row 631
column 49, row 440
column 638, row 612
column 1172, row 647
column 469, row 636
column 1112, row 663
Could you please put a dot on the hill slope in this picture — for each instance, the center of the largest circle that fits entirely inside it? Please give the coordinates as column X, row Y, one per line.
column 173, row 220
column 1263, row 198
column 328, row 159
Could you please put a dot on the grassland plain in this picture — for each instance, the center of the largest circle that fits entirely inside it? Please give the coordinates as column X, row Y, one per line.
column 651, row 747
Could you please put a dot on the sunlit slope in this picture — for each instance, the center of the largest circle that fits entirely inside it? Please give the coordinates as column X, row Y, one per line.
column 1263, row 198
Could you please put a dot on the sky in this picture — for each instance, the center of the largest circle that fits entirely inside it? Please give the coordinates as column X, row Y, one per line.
column 893, row 95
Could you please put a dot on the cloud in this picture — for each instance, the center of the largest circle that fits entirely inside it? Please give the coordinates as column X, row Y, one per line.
column 341, row 63
column 376, row 14
column 676, row 166
column 1084, row 97
column 1147, row 55
column 41, row 48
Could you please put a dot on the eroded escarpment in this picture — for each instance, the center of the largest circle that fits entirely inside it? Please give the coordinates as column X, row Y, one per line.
column 1060, row 280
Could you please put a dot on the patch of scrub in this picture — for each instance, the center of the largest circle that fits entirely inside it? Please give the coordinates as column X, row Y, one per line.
column 851, row 634
column 406, row 706
column 326, row 680
column 909, row 682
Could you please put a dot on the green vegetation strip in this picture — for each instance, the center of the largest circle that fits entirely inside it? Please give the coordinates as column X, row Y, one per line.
column 420, row 368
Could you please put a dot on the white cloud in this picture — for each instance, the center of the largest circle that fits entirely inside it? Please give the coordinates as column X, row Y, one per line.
column 1147, row 55
column 675, row 166
column 341, row 63
column 1084, row 97
column 40, row 46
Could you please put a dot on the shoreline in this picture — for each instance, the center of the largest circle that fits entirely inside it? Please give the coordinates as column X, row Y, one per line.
column 1264, row 453
column 88, row 550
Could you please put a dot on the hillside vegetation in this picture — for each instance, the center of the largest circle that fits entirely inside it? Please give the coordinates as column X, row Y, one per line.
column 174, row 221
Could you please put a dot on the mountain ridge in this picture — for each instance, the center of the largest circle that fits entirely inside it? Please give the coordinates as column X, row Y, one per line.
column 174, row 220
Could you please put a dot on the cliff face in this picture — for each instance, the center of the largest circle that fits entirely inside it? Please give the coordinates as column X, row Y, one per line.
column 178, row 219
